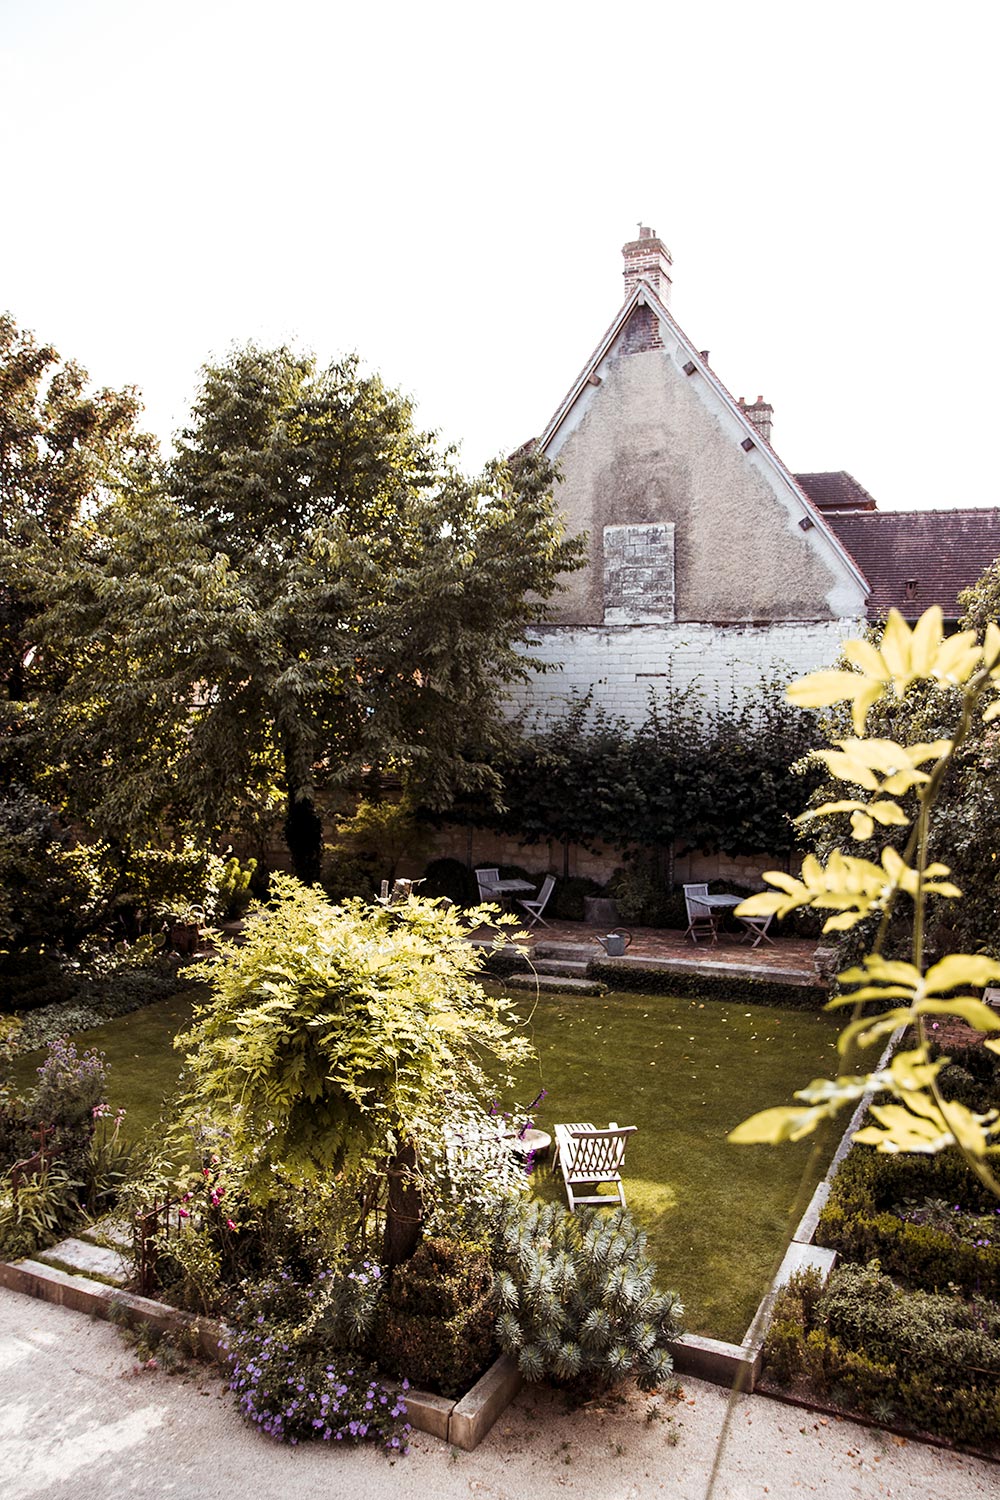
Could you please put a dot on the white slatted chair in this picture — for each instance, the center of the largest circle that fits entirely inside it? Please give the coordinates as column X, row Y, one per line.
column 701, row 918
column 486, row 880
column 589, row 1157
column 540, row 902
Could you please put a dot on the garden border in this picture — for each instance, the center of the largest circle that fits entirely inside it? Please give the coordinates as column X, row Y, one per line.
column 463, row 1422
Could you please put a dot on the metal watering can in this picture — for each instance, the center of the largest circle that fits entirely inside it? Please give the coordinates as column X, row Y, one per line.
column 615, row 943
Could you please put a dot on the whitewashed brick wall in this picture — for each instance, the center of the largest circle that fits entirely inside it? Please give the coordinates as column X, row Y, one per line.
column 622, row 663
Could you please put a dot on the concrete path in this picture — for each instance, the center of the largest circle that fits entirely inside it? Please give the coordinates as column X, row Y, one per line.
column 79, row 1421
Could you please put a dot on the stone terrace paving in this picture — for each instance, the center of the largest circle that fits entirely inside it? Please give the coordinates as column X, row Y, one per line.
column 787, row 960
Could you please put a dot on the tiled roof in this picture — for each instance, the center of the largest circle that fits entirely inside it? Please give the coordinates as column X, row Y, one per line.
column 836, row 490
column 913, row 559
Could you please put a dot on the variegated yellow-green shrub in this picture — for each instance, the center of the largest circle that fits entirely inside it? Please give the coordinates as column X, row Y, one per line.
column 876, row 772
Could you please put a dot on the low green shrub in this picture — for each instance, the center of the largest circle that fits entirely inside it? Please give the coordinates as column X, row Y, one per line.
column 971, row 1077
column 452, row 879
column 567, row 902
column 577, row 1299
column 642, row 898
column 928, row 1360
column 437, row 1321
column 878, row 1209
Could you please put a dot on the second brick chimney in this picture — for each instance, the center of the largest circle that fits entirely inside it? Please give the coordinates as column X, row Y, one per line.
column 649, row 260
column 761, row 414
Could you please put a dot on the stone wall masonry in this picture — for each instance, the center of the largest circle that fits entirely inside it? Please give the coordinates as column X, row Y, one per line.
column 623, row 664
column 481, row 846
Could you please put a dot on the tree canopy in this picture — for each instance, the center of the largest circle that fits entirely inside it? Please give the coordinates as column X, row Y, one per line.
column 62, row 447
column 315, row 590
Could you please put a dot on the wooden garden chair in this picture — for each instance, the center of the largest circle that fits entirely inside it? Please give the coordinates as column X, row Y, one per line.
column 756, row 928
column 537, row 905
column 486, row 879
column 589, row 1158
column 701, row 917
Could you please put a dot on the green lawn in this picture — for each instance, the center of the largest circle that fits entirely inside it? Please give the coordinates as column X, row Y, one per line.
column 682, row 1071
column 685, row 1073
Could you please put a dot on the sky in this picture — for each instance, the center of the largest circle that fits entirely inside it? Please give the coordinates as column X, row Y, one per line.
column 445, row 188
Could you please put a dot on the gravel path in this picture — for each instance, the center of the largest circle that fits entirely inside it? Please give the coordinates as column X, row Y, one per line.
column 78, row 1421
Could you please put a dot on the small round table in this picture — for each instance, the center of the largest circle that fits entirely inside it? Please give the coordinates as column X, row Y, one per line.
column 536, row 1143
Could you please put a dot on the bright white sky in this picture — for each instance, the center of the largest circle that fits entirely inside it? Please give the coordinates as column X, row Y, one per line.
column 446, row 188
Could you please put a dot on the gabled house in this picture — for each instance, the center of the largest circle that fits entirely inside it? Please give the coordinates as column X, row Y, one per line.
column 708, row 560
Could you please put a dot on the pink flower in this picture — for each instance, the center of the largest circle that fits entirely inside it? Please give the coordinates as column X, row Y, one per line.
column 230, row 1224
column 183, row 1213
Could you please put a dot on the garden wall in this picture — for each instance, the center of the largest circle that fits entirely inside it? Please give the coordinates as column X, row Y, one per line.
column 482, row 846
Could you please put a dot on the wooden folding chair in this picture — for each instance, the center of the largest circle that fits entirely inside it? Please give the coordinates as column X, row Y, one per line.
column 701, row 918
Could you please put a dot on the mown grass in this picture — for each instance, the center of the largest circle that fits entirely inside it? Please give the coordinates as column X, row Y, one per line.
column 683, row 1071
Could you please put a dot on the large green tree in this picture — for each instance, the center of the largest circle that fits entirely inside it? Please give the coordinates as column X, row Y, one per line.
column 62, row 447
column 317, row 591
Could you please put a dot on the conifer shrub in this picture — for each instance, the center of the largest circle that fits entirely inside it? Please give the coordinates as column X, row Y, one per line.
column 437, row 1321
column 577, row 1298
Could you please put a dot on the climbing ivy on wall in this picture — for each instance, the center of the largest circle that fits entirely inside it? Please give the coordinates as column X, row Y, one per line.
column 715, row 783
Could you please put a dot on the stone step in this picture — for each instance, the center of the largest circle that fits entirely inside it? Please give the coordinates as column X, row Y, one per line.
column 554, row 983
column 83, row 1259
column 712, row 968
column 109, row 1231
column 567, row 968
column 572, row 952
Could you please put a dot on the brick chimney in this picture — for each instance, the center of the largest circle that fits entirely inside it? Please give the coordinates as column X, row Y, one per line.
column 648, row 259
column 761, row 414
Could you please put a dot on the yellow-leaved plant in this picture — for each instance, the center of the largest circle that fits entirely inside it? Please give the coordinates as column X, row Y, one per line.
column 917, row 1118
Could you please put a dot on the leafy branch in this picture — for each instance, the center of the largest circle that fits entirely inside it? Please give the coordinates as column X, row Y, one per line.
column 852, row 888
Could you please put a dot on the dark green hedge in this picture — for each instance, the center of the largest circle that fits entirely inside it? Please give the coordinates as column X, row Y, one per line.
column 931, row 1362
column 859, row 1222
column 633, row 978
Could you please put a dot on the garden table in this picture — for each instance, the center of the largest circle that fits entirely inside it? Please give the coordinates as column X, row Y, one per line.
column 722, row 901
column 508, row 889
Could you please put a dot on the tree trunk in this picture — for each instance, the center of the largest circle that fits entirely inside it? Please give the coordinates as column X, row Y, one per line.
column 404, row 1211
column 304, row 837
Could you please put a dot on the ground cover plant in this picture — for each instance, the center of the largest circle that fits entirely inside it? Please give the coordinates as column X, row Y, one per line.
column 929, row 1361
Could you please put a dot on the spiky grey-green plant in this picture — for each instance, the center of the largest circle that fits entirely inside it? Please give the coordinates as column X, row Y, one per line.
column 577, row 1298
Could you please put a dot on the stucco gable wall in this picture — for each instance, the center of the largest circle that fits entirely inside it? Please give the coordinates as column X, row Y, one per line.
column 651, row 444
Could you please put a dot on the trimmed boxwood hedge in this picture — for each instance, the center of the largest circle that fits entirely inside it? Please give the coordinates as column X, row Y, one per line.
column 858, row 1220
column 654, row 981
column 929, row 1361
